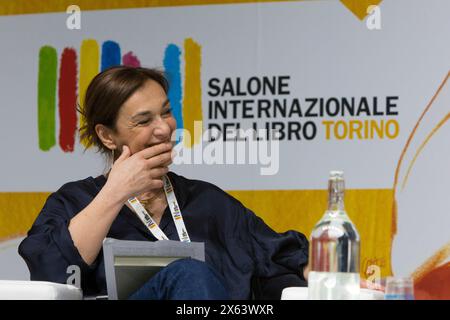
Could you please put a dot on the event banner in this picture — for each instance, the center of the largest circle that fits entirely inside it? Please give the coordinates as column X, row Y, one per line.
column 269, row 97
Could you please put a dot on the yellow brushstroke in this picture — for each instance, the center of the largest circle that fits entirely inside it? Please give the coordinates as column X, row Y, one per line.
column 359, row 7
column 422, row 145
column 369, row 209
column 192, row 100
column 18, row 210
column 89, row 68
column 13, row 7
column 281, row 209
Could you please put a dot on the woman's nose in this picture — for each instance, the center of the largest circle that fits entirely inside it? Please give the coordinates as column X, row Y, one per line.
column 162, row 129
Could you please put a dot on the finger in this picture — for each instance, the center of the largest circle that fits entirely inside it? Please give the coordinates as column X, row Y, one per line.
column 157, row 173
column 167, row 163
column 152, row 151
column 124, row 155
column 370, row 285
column 156, row 184
column 159, row 160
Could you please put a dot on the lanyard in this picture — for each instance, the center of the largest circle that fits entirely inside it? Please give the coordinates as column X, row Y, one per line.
column 174, row 209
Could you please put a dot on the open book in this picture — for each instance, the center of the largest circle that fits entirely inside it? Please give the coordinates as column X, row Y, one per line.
column 129, row 264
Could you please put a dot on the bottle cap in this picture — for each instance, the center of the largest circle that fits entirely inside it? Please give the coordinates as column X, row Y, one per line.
column 336, row 184
column 336, row 174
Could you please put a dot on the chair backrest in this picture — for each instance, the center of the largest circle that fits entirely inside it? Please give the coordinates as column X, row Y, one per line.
column 13, row 267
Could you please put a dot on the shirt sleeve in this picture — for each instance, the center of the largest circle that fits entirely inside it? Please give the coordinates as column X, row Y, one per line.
column 273, row 253
column 48, row 249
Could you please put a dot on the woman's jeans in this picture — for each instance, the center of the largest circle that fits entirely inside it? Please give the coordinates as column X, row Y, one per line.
column 184, row 279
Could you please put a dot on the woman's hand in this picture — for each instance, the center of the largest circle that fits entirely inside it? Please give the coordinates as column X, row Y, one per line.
column 363, row 283
column 371, row 285
column 132, row 175
column 129, row 176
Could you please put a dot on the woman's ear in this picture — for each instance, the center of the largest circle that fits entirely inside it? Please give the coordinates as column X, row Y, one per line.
column 106, row 135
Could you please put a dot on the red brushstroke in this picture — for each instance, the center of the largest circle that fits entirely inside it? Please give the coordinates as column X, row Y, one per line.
column 129, row 59
column 67, row 92
column 434, row 285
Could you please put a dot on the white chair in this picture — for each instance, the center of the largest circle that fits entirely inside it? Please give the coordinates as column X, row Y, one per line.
column 14, row 275
column 38, row 290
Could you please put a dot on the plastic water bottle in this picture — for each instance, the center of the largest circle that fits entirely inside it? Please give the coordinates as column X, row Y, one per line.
column 334, row 249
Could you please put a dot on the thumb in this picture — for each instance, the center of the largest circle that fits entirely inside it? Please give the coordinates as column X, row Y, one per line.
column 125, row 154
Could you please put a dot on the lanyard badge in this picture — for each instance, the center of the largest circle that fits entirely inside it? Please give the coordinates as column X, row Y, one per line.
column 177, row 217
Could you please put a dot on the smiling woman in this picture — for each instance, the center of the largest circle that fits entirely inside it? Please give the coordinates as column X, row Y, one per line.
column 128, row 119
column 111, row 90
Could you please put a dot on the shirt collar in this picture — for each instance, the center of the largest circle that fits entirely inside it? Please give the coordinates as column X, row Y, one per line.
column 181, row 193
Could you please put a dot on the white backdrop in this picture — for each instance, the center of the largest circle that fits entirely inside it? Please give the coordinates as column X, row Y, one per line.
column 324, row 49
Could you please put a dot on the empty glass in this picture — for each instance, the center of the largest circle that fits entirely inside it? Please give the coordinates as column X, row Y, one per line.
column 399, row 289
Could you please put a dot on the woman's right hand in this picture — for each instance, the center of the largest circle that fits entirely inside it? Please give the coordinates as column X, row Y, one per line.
column 132, row 175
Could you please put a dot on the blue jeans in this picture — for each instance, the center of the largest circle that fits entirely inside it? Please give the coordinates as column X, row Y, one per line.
column 184, row 279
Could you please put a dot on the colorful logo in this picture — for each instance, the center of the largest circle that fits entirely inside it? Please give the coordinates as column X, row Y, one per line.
column 61, row 87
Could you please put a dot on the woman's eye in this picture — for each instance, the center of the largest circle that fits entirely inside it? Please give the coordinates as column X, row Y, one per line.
column 144, row 121
column 167, row 112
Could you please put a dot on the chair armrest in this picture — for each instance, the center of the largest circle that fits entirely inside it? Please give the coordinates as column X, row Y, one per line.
column 38, row 290
column 272, row 288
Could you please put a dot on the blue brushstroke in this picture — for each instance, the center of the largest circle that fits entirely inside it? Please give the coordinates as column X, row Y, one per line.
column 172, row 70
column 110, row 54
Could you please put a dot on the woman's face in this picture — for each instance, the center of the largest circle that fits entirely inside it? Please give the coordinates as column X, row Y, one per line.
column 145, row 119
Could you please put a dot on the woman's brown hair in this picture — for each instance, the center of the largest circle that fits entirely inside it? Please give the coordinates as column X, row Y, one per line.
column 106, row 94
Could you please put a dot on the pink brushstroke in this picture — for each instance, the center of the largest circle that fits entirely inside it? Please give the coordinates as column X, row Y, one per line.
column 129, row 59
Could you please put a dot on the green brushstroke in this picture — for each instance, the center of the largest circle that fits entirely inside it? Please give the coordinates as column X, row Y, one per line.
column 47, row 97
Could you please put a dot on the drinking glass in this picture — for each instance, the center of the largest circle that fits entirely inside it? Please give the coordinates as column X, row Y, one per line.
column 399, row 289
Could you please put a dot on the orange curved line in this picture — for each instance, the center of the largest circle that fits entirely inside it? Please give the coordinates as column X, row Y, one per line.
column 419, row 150
column 432, row 262
column 402, row 155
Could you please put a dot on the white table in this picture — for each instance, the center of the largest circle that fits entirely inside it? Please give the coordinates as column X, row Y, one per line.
column 301, row 293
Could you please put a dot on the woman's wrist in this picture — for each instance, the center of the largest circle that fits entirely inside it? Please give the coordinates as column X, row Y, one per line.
column 114, row 194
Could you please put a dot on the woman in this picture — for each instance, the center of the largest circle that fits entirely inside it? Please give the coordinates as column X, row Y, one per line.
column 128, row 117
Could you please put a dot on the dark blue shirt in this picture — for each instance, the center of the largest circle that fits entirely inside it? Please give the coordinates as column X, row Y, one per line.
column 238, row 244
